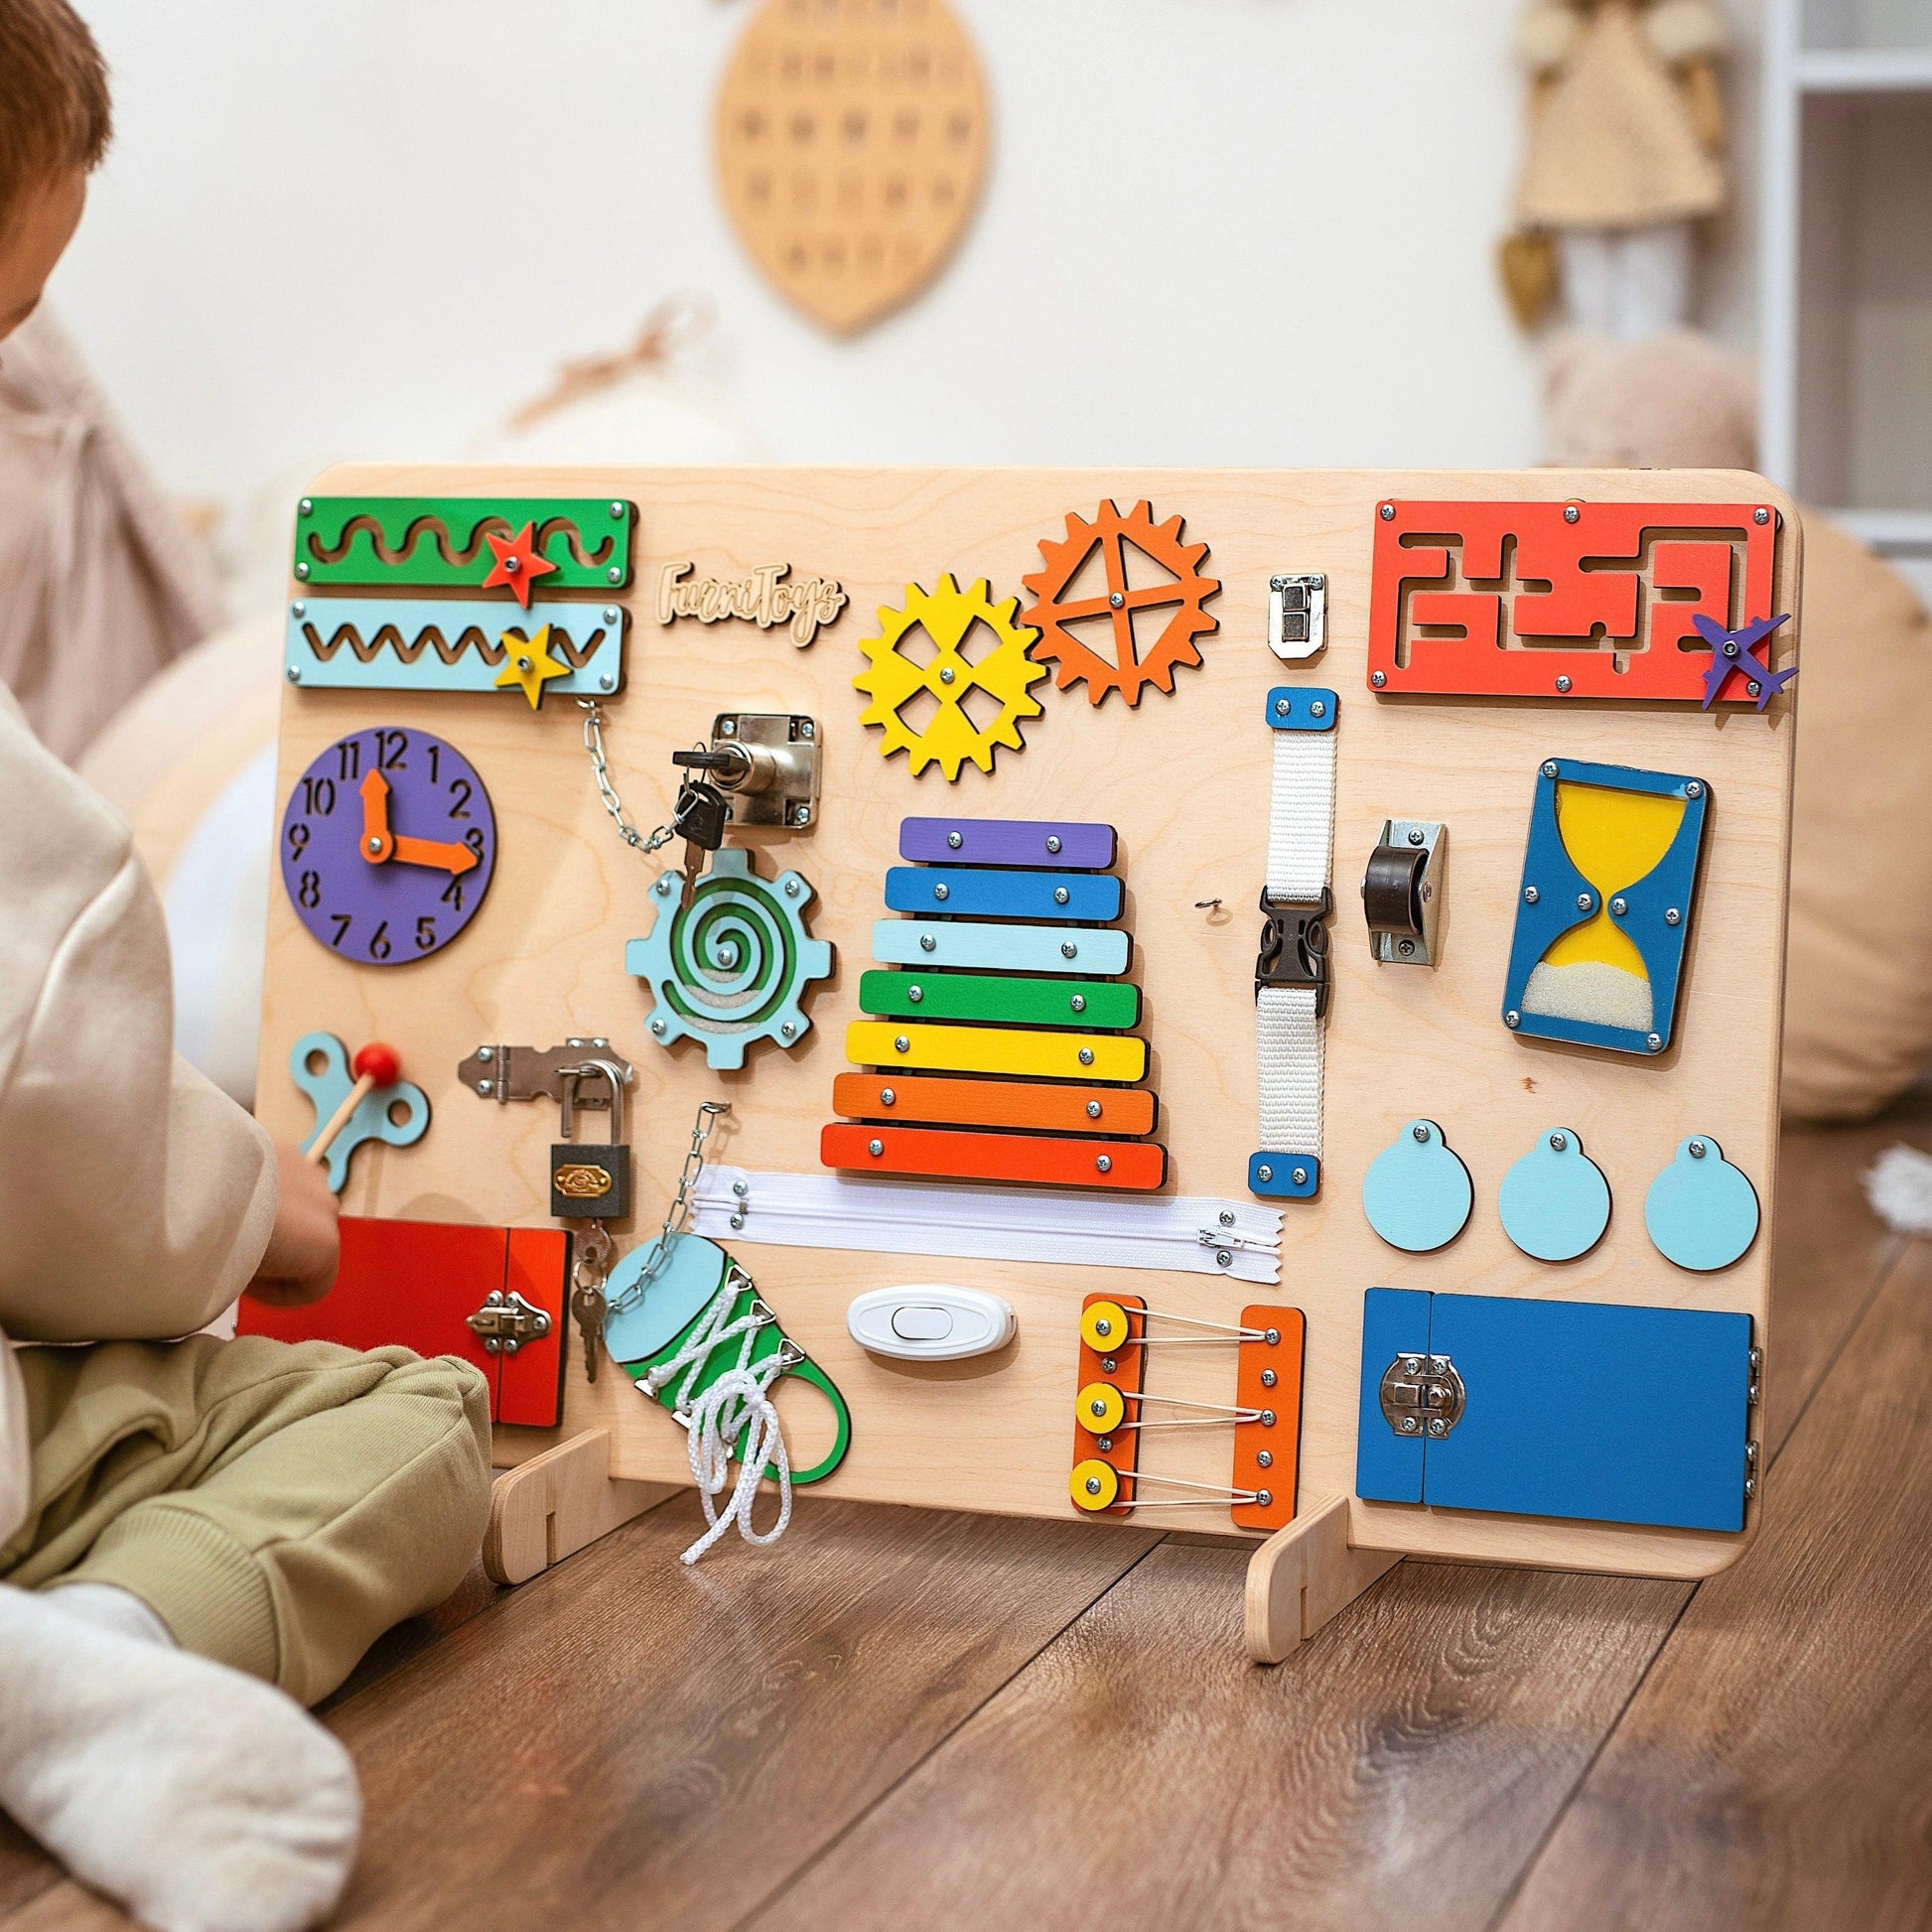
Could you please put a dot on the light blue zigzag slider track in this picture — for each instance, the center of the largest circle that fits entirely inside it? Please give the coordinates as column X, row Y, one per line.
column 387, row 643
column 733, row 965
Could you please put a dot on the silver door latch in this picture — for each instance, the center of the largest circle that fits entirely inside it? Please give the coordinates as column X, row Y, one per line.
column 1422, row 1394
column 1298, row 617
column 506, row 1322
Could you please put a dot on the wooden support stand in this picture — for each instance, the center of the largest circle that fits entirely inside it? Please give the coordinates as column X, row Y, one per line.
column 558, row 1503
column 1302, row 1576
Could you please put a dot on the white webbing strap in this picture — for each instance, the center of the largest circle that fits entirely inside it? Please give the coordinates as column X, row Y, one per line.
column 1300, row 848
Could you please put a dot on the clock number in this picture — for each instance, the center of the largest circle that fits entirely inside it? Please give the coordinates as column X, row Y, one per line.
column 348, row 760
column 426, row 933
column 342, row 922
column 453, row 894
column 317, row 796
column 435, row 765
column 474, row 840
column 461, row 809
column 309, row 892
column 297, row 839
column 379, row 942
column 389, row 756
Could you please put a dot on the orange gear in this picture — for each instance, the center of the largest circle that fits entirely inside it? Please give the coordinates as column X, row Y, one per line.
column 1185, row 591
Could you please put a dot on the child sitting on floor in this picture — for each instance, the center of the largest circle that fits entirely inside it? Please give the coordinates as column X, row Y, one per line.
column 185, row 1525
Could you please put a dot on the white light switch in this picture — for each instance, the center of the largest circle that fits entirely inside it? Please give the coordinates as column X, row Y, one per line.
column 926, row 1322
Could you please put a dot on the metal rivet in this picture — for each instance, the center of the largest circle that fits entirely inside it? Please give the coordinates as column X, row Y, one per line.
column 1068, row 950
column 1388, row 512
column 886, row 1097
column 1672, row 916
column 294, row 674
column 1697, row 1150
column 926, row 942
column 1268, row 1378
column 1299, row 1176
column 1086, row 1056
column 1420, row 1131
column 1105, row 1164
column 1559, row 1141
column 915, row 994
column 1093, row 1110
column 1571, row 513
column 1655, row 1041
column 1512, row 1018
column 791, row 889
column 1061, row 895
column 1116, row 599
column 1619, row 905
column 1052, row 841
column 1549, row 768
column 1282, row 706
column 1078, row 1003
column 942, row 891
column 1563, row 684
column 1760, row 516
column 901, row 1045
column 1264, row 1171
column 302, row 570
column 955, row 840
column 1531, row 895
column 615, row 574
column 1585, row 902
column 1695, row 789
column 308, row 506
column 874, row 1147
column 1266, row 1458
column 1378, row 678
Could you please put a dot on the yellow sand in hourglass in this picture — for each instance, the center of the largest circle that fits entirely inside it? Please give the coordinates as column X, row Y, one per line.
column 1594, row 973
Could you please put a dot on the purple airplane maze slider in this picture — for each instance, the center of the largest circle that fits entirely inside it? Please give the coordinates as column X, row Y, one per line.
column 1007, row 841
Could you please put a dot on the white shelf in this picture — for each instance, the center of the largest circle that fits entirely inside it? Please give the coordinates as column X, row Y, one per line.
column 1894, row 532
column 1865, row 71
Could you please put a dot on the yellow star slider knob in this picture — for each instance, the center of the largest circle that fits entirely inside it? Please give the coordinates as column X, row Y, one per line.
column 527, row 666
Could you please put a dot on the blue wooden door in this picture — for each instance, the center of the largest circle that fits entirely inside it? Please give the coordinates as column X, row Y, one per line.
column 1573, row 1409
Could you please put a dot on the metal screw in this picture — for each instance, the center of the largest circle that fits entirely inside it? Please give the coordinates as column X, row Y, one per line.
column 1105, row 1164
column 1410, row 1426
column 1093, row 1110
column 1266, row 1458
column 804, row 815
column 806, row 729
column 786, row 1029
column 1655, row 1041
column 302, row 570
column 612, row 613
column 486, row 1087
column 1116, row 599
column 1420, row 1131
column 1559, row 1141
column 374, row 844
column 740, row 1189
column 606, row 682
column 901, row 1045
column 1415, row 838
column 1282, row 706
column 1227, row 1217
column 1672, row 915
column 1752, row 687
column 1069, row 949
column 1318, row 708
column 1086, row 1056
column 1078, row 1003
column 299, row 607
column 954, row 840
column 1388, row 512
column 1512, row 1018
column 1277, row 583
column 1438, row 1426
column 615, row 574
column 915, row 994
column 1563, row 684
column 1378, row 678
column 727, row 727
column 1223, row 1259
column 942, row 891
column 946, row 674
column 1571, row 513
column 1272, row 1337
column 617, row 509
column 1619, row 905
column 307, row 506
column 1531, row 895
column 485, row 1052
column 1412, row 1365
column 658, row 1027
column 1093, row 1486
column 1105, row 1441
column 1299, row 1176
column 1697, row 1150
column 294, row 674
column 926, row 942
column 1549, row 768
column 874, row 1147
column 1268, row 1378
column 1406, row 947
column 791, row 889
column 886, row 1097
column 1264, row 1171
column 1583, row 902
column 1052, row 841
column 737, row 1221
column 1264, row 1498
column 1695, row 789
column 1760, row 516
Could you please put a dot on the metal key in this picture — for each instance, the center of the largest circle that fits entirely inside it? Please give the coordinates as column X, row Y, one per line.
column 699, row 818
column 587, row 1304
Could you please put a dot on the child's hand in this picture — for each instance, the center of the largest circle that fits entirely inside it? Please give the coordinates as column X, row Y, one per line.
column 299, row 1265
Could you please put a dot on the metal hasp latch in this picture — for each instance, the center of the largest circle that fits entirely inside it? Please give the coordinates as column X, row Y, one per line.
column 1294, row 946
column 506, row 1322
column 767, row 764
column 1298, row 617
column 1402, row 892
column 506, row 1073
column 1422, row 1394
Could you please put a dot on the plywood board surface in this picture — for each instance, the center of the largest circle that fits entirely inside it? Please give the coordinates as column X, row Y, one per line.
column 1184, row 778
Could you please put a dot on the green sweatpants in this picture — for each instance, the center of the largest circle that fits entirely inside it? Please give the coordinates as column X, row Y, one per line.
column 278, row 1505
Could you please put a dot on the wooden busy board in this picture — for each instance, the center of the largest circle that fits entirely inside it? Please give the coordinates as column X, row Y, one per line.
column 1184, row 779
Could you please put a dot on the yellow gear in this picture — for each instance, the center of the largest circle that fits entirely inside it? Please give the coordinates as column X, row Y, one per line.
column 1005, row 673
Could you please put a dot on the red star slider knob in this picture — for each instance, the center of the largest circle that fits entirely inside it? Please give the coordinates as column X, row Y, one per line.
column 518, row 563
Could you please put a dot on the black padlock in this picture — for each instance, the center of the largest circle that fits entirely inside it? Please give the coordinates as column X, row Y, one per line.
column 591, row 1183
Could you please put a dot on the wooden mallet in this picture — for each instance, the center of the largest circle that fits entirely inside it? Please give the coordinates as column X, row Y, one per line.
column 375, row 1065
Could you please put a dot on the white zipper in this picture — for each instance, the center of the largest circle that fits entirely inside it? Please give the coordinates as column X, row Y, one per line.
column 1187, row 1233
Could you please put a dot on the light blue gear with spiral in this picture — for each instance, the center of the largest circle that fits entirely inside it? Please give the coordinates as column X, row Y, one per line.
column 733, row 966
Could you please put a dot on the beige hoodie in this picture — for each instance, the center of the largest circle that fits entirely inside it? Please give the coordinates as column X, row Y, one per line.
column 135, row 1198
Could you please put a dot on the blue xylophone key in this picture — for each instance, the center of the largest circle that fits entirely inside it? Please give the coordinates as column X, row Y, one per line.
column 966, row 892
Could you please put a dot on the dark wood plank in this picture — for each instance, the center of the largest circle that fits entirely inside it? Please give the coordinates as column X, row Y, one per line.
column 1142, row 1773
column 1776, row 1767
column 625, row 1739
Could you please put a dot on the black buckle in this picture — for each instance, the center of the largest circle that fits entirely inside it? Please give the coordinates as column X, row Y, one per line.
column 1295, row 947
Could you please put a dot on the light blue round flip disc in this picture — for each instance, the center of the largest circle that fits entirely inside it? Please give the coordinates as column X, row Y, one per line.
column 692, row 1274
column 1701, row 1212
column 1417, row 1193
column 1555, row 1202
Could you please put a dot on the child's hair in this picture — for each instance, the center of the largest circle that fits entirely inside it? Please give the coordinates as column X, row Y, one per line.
column 54, row 115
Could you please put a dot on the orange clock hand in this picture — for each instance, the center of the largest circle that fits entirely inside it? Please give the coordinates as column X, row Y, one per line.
column 452, row 859
column 377, row 844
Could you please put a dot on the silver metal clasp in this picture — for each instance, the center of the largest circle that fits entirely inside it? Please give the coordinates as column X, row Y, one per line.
column 1422, row 1394
column 506, row 1322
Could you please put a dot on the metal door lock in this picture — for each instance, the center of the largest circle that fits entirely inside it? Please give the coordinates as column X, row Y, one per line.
column 765, row 762
column 506, row 1322
column 1422, row 1394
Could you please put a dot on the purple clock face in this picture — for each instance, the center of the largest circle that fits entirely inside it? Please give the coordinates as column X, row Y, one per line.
column 388, row 846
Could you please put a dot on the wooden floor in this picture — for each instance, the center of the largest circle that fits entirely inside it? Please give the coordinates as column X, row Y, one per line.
column 902, row 1718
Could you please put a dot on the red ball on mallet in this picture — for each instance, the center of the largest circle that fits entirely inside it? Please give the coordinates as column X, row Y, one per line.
column 375, row 1065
